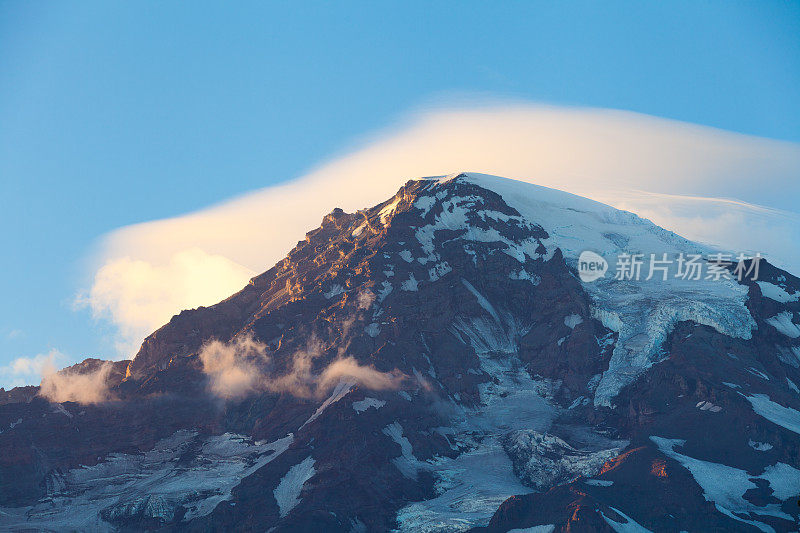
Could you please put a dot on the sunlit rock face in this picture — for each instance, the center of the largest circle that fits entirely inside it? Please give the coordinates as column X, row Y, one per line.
column 435, row 363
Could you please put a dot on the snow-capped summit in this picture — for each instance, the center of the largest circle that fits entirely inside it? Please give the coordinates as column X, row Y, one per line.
column 438, row 363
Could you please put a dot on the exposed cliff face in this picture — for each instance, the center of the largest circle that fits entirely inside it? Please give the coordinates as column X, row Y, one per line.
column 416, row 365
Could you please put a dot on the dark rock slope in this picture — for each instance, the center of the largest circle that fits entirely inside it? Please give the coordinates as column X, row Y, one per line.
column 434, row 364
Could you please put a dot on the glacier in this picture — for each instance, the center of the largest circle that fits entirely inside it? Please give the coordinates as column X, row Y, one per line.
column 643, row 313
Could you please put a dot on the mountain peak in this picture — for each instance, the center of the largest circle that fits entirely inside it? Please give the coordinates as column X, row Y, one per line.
column 435, row 362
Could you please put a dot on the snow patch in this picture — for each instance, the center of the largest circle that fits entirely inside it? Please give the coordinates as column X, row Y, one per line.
column 487, row 306
column 339, row 392
column 783, row 323
column 410, row 284
column 359, row 230
column 12, row 425
column 439, row 270
column 708, row 406
column 362, row 405
column 725, row 486
column 287, row 493
column 525, row 275
column 789, row 355
column 759, row 446
column 629, row 526
column 572, row 320
column 547, row 528
column 577, row 402
column 388, row 209
column 758, row 373
column 424, row 204
column 776, row 413
column 407, row 464
column 372, row 329
column 59, row 408
column 784, row 480
column 335, row 290
column 386, row 289
column 599, row 482
column 454, row 216
column 777, row 293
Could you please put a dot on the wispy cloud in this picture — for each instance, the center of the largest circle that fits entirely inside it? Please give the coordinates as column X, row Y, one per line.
column 81, row 385
column 673, row 172
column 242, row 367
column 71, row 385
column 28, row 370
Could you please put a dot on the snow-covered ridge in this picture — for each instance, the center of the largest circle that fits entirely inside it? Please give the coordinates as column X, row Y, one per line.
column 158, row 484
column 643, row 313
column 726, row 486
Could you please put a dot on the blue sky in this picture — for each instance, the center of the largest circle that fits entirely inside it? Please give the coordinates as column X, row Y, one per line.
column 116, row 113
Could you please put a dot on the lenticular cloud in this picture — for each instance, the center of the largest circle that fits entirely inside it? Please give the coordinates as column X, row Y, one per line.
column 717, row 187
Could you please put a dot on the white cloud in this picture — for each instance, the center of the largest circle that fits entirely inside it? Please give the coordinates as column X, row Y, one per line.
column 673, row 172
column 76, row 385
column 139, row 296
column 233, row 369
column 64, row 386
column 27, row 370
column 242, row 367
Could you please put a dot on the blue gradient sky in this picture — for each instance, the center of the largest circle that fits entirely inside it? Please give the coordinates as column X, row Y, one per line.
column 115, row 113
